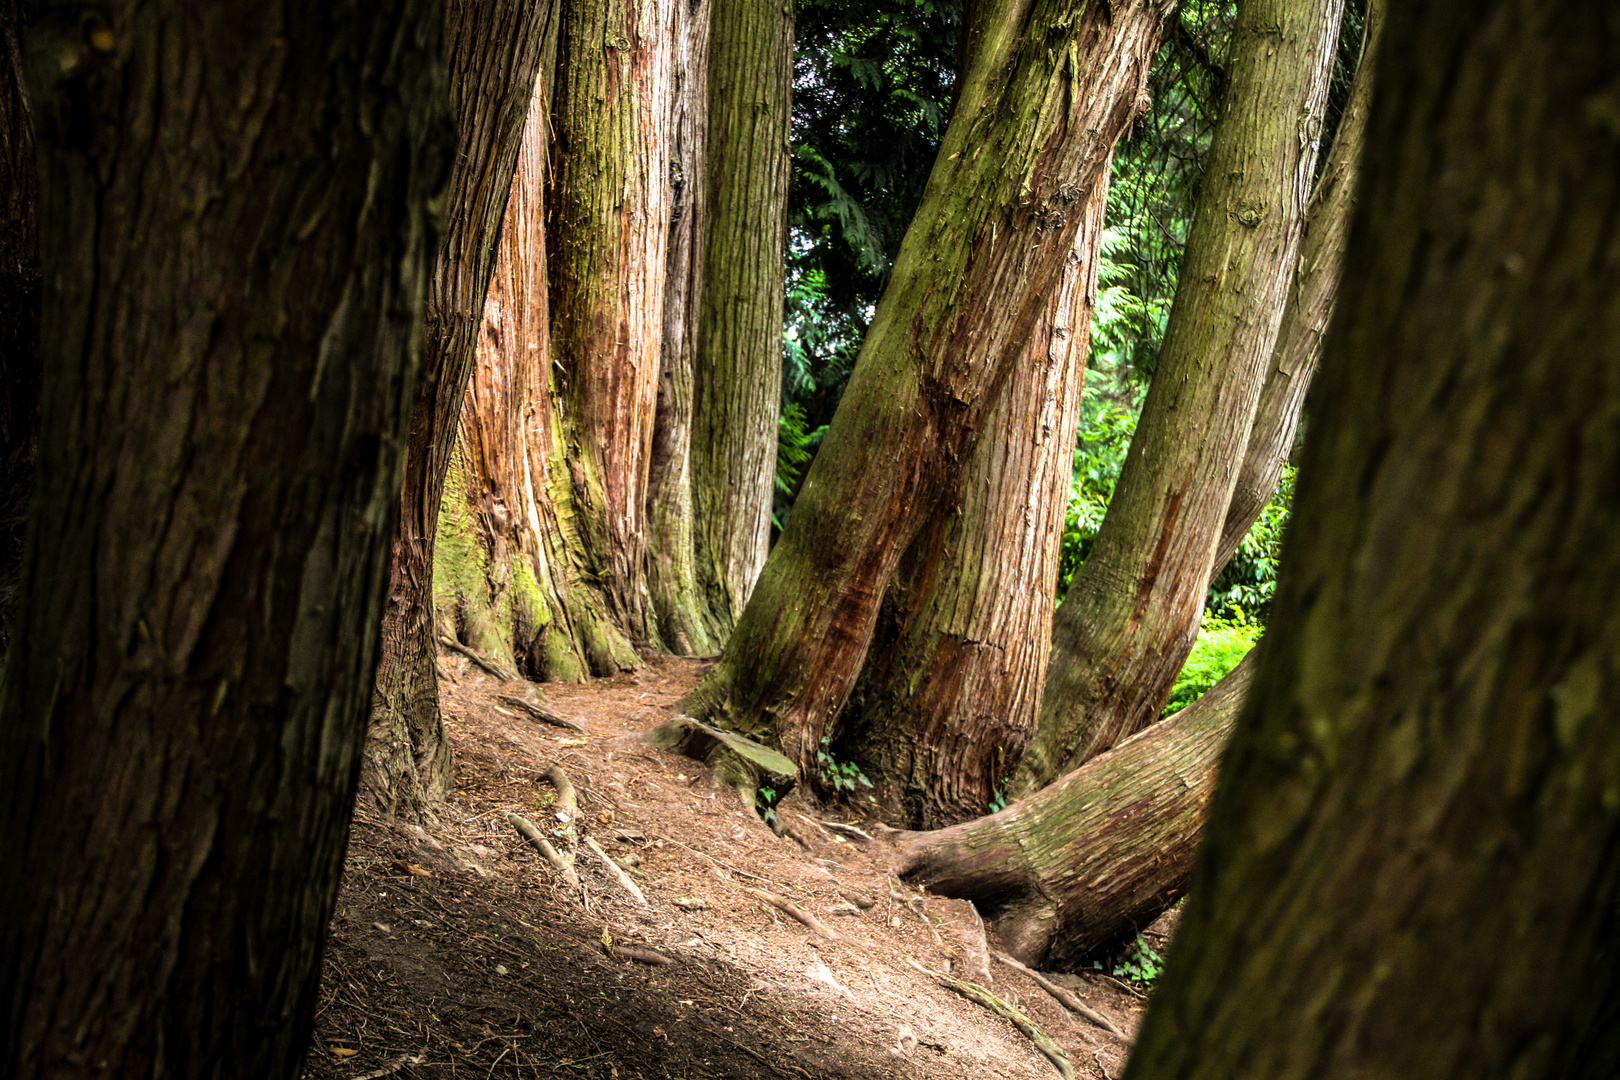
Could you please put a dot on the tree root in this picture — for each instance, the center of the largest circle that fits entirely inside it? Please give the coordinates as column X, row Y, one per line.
column 563, row 866
column 540, row 712
column 907, row 902
column 788, row 907
column 1066, row 999
column 848, row 832
column 616, row 871
column 478, row 658
column 979, row 995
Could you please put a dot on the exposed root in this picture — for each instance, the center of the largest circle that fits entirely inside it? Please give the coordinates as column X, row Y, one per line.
column 564, row 866
column 567, row 799
column 1066, row 999
column 539, row 711
column 616, row 871
column 640, row 956
column 848, row 832
column 978, row 994
column 907, row 902
column 788, row 907
column 478, row 658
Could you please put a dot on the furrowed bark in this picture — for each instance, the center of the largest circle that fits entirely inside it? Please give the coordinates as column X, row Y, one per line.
column 610, row 214
column 1130, row 617
column 509, row 575
column 1412, row 865
column 19, row 308
column 1088, row 861
column 237, row 228
column 1053, row 81
column 493, row 50
column 1310, row 307
column 687, row 623
column 951, row 687
column 739, row 356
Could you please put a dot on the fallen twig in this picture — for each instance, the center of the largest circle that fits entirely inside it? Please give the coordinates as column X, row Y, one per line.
column 391, row 1067
column 478, row 658
column 906, row 902
column 788, row 907
column 641, row 956
column 847, row 831
column 978, row 994
column 563, row 866
column 542, row 713
column 616, row 871
column 1066, row 998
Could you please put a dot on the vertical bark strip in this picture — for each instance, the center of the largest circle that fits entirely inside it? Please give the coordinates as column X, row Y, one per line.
column 19, row 308
column 686, row 622
column 1310, row 307
column 237, row 226
column 493, row 51
column 952, row 684
column 1130, row 616
column 1412, row 866
column 1052, row 82
column 610, row 217
column 739, row 358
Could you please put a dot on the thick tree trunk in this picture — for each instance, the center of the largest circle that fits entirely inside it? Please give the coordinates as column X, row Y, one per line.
column 237, row 230
column 739, row 357
column 1129, row 618
column 952, row 683
column 1054, row 81
column 493, row 49
column 508, row 573
column 1412, row 865
column 1310, row 307
column 1097, row 856
column 610, row 219
column 19, row 308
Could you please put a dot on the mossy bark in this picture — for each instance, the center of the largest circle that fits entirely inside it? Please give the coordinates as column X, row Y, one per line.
column 237, row 217
column 952, row 683
column 493, row 48
column 1412, row 863
column 974, row 274
column 1130, row 616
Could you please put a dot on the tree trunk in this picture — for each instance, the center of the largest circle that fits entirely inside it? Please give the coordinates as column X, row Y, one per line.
column 952, row 684
column 493, row 49
column 508, row 571
column 1130, row 617
column 739, row 358
column 1412, row 866
column 610, row 219
column 236, row 219
column 974, row 274
column 19, row 309
column 1088, row 861
column 1310, row 307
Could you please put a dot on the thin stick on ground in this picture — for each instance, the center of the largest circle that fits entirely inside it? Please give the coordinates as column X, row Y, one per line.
column 540, row 712
column 979, row 995
column 616, row 871
column 789, row 908
column 563, row 866
column 478, row 658
column 1065, row 998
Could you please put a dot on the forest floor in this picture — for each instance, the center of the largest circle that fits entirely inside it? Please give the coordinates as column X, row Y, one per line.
column 457, row 951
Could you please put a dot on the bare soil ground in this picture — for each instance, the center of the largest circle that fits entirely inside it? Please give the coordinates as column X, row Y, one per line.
column 457, row 951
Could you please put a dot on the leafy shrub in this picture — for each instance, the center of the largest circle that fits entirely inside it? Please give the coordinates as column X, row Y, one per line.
column 1221, row 644
column 1250, row 579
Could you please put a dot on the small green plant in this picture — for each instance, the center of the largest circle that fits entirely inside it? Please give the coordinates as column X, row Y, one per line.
column 840, row 775
column 1141, row 964
column 765, row 798
column 998, row 801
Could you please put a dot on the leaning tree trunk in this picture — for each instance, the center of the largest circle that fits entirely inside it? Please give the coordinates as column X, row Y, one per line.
column 493, row 49
column 739, row 354
column 952, row 682
column 1129, row 618
column 237, row 227
column 508, row 576
column 1412, row 865
column 1088, row 861
column 974, row 274
column 19, row 308
column 1310, row 307
column 608, row 251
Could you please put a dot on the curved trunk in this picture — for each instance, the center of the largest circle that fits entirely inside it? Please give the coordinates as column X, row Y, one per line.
column 952, row 683
column 1412, row 864
column 237, row 207
column 19, row 309
column 609, row 219
column 1088, row 861
column 974, row 274
column 739, row 356
column 493, row 51
column 1129, row 619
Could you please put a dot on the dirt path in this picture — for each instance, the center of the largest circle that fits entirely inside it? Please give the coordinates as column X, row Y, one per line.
column 457, row 951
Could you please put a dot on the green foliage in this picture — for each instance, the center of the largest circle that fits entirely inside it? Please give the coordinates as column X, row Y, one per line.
column 1106, row 427
column 765, row 803
column 1250, row 579
column 1139, row 964
column 998, row 802
column 840, row 775
column 1221, row 645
